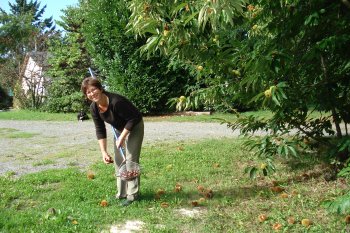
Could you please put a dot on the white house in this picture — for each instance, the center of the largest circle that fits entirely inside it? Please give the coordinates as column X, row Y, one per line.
column 34, row 81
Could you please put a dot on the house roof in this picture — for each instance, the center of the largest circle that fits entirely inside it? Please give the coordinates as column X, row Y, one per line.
column 40, row 58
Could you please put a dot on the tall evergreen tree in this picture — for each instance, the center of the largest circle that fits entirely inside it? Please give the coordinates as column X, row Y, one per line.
column 22, row 7
column 69, row 63
column 23, row 28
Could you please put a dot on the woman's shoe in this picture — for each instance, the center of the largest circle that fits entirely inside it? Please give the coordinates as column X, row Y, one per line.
column 119, row 197
column 126, row 203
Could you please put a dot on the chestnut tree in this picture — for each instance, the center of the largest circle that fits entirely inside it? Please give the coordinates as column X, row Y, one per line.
column 280, row 55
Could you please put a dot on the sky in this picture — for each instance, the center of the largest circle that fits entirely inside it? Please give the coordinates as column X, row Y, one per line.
column 53, row 7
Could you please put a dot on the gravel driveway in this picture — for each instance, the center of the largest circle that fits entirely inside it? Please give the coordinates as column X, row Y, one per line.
column 63, row 144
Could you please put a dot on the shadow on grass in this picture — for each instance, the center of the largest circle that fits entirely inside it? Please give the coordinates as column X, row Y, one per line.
column 189, row 198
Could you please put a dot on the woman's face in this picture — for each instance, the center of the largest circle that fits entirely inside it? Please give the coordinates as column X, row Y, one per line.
column 93, row 93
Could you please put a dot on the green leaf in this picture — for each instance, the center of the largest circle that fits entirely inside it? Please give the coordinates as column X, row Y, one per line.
column 203, row 17
column 345, row 145
column 274, row 98
column 340, row 205
column 279, row 150
column 257, row 97
column 190, row 18
column 294, row 152
column 151, row 43
column 344, row 172
column 347, row 66
column 176, row 9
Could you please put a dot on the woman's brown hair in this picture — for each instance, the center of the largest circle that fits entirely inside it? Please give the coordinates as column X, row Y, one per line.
column 90, row 81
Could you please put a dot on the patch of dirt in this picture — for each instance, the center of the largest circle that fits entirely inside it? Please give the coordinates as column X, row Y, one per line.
column 128, row 227
column 136, row 225
column 191, row 213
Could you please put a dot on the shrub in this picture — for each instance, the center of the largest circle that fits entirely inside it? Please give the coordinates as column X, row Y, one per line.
column 5, row 99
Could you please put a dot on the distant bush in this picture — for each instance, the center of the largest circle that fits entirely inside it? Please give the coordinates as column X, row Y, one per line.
column 149, row 84
column 5, row 99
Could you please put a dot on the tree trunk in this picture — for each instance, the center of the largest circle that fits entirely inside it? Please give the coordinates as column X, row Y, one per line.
column 335, row 115
column 336, row 122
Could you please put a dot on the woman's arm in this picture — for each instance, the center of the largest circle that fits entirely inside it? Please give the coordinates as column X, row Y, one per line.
column 122, row 137
column 103, row 147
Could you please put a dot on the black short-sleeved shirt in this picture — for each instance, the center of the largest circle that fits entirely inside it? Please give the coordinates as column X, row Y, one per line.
column 121, row 113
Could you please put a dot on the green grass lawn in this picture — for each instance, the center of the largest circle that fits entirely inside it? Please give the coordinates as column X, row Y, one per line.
column 36, row 116
column 13, row 133
column 44, row 116
column 66, row 200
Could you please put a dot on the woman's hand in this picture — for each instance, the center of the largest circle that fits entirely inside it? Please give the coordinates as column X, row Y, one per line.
column 107, row 159
column 120, row 142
